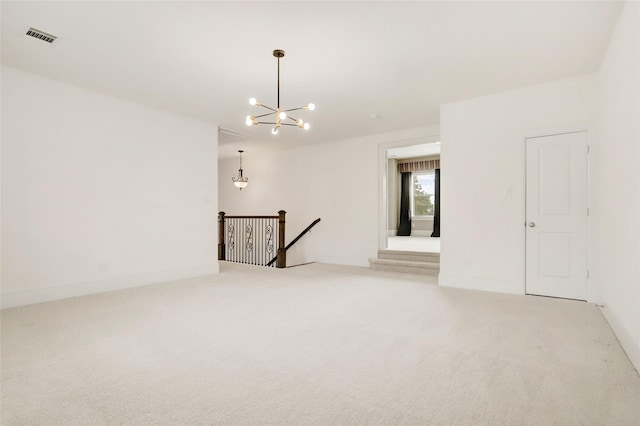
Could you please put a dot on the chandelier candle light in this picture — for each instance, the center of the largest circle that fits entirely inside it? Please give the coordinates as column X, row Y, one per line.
column 240, row 181
column 280, row 114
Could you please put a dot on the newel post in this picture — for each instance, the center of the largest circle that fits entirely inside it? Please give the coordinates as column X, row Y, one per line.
column 221, row 246
column 281, row 262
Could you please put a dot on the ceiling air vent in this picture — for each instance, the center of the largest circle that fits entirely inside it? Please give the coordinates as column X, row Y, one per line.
column 41, row 35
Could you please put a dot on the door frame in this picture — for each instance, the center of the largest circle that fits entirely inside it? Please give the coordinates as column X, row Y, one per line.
column 383, row 190
column 592, row 291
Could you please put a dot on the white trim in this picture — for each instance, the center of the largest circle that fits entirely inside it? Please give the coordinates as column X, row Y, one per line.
column 12, row 299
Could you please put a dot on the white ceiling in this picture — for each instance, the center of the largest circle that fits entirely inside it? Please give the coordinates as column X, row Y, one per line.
column 398, row 60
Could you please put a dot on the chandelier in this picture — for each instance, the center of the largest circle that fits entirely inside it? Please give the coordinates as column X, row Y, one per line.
column 240, row 181
column 281, row 116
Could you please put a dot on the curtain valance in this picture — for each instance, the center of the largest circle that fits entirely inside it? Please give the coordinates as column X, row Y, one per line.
column 419, row 166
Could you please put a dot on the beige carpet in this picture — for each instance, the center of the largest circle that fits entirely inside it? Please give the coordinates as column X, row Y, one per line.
column 317, row 345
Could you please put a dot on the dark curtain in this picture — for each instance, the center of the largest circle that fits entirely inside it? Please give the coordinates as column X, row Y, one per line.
column 404, row 227
column 436, row 214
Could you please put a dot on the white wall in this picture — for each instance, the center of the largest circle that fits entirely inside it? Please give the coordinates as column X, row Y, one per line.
column 483, row 157
column 616, row 160
column 337, row 182
column 89, row 179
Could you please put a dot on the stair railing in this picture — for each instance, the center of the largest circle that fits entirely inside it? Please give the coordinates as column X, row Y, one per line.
column 252, row 239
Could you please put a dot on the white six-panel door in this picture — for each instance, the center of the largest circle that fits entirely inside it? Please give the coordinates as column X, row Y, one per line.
column 556, row 216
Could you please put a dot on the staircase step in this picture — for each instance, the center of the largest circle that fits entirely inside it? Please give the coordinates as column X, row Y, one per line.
column 406, row 266
column 415, row 256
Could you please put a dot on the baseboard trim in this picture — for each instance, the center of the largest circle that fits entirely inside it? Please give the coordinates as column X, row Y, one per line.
column 483, row 284
column 630, row 346
column 12, row 299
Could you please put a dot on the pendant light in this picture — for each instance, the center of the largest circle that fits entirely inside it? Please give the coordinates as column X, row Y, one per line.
column 281, row 115
column 240, row 181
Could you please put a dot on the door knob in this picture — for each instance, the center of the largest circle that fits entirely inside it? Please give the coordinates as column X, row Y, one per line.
column 532, row 224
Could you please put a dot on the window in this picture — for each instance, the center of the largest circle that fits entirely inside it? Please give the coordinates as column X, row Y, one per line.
column 423, row 193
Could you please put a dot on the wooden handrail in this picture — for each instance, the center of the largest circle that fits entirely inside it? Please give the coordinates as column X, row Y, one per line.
column 295, row 240
column 307, row 229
